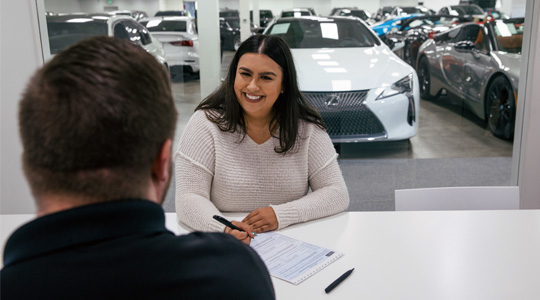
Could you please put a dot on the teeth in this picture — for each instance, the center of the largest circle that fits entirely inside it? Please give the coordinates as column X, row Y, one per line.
column 253, row 97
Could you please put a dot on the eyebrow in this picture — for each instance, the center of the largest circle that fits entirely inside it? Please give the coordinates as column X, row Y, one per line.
column 262, row 73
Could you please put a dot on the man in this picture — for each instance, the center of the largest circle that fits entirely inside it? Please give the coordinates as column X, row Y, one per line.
column 96, row 124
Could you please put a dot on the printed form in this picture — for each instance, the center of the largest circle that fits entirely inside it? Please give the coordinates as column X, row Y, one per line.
column 290, row 259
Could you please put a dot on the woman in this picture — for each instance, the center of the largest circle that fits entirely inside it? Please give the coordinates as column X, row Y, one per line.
column 255, row 145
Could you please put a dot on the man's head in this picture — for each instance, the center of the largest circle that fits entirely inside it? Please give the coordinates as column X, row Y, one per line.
column 94, row 120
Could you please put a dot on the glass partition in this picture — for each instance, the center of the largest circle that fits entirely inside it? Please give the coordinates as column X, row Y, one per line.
column 424, row 102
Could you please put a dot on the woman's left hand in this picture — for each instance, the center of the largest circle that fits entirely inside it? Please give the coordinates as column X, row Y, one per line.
column 262, row 220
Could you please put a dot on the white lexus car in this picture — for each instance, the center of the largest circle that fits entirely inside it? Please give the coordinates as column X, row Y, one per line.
column 363, row 91
column 180, row 40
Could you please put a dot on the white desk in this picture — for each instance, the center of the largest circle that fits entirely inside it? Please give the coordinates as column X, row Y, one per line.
column 414, row 255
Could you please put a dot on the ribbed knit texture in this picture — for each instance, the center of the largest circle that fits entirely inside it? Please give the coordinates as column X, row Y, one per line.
column 216, row 172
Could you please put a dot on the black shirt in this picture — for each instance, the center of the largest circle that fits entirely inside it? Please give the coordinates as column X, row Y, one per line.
column 122, row 250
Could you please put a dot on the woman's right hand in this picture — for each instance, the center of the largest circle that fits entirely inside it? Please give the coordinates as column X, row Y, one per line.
column 244, row 237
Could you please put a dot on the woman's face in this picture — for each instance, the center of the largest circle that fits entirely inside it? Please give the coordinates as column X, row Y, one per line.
column 257, row 84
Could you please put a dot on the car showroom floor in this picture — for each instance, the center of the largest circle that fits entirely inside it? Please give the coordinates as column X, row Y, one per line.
column 452, row 148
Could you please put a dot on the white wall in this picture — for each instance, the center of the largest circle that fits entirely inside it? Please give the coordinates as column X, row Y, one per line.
column 438, row 4
column 370, row 6
column 18, row 61
column 150, row 7
column 58, row 6
column 170, row 5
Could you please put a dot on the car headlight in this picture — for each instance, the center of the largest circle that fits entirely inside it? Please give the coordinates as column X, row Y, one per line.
column 402, row 86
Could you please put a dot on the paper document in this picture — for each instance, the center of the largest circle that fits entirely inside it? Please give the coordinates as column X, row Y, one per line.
column 290, row 259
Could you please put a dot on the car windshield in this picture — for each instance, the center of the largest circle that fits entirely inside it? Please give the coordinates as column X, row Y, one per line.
column 180, row 13
column 265, row 14
column 431, row 21
column 411, row 10
column 509, row 36
column 468, row 10
column 64, row 34
column 162, row 25
column 418, row 23
column 287, row 14
column 357, row 13
column 234, row 23
column 309, row 33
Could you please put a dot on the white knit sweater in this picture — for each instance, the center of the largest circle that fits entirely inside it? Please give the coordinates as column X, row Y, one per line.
column 215, row 171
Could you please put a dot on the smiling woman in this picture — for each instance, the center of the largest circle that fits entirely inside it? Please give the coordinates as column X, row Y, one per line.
column 256, row 145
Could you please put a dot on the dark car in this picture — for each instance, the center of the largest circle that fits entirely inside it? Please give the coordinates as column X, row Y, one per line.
column 352, row 12
column 415, row 31
column 479, row 63
column 265, row 16
column 335, row 9
column 229, row 35
column 383, row 13
column 229, row 27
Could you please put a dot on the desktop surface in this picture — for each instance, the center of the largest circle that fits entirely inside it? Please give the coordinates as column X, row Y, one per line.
column 411, row 255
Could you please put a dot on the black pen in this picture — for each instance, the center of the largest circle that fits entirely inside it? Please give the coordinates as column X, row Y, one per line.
column 228, row 223
column 338, row 281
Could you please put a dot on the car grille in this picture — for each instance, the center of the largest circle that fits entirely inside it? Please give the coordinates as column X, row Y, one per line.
column 347, row 116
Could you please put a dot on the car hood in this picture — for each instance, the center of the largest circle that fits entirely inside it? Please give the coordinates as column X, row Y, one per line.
column 348, row 69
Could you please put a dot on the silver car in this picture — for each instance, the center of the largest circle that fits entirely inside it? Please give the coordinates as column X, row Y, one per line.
column 480, row 64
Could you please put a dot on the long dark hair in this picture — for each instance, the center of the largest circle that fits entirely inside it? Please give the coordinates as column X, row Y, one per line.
column 222, row 107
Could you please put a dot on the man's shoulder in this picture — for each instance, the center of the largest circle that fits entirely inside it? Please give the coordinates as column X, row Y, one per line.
column 220, row 243
column 233, row 267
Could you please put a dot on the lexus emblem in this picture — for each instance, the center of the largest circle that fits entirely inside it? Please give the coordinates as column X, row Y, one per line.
column 332, row 101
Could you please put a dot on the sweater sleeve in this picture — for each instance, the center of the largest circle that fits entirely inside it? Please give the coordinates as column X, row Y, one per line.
column 194, row 172
column 329, row 194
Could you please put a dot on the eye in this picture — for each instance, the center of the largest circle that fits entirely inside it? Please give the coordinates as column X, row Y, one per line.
column 266, row 77
column 245, row 74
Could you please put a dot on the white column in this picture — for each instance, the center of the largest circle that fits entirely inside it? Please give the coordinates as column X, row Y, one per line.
column 19, row 60
column 526, row 166
column 256, row 16
column 245, row 26
column 209, row 45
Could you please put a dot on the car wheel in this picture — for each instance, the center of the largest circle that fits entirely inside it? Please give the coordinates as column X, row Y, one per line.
column 501, row 108
column 425, row 79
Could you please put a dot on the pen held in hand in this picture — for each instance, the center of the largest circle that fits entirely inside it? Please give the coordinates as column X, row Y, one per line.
column 228, row 223
column 338, row 281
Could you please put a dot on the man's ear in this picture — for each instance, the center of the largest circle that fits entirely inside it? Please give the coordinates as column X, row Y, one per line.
column 162, row 161
column 161, row 173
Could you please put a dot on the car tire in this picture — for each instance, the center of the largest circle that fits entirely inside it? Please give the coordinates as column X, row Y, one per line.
column 501, row 108
column 424, row 78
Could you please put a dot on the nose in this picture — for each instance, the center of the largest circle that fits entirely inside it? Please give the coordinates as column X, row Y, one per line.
column 253, row 86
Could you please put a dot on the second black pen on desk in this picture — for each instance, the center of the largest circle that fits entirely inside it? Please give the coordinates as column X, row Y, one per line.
column 228, row 223
column 338, row 281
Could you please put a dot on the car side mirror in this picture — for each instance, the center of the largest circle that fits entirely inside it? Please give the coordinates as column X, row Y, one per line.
column 464, row 45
